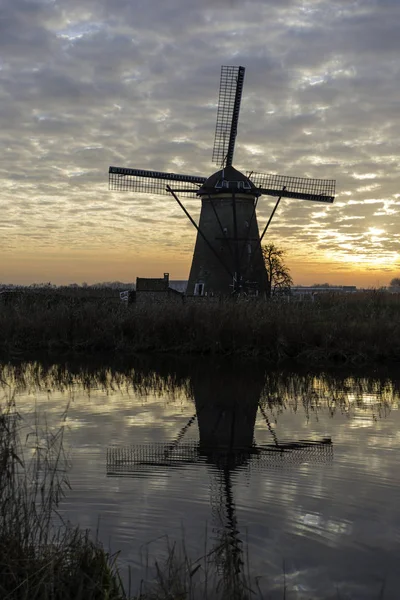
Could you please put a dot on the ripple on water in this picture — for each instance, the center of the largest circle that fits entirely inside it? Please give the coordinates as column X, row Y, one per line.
column 332, row 519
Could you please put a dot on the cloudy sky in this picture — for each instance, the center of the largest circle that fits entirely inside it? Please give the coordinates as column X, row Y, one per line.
column 89, row 84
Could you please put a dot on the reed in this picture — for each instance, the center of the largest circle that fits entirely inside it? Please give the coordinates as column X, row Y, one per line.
column 219, row 574
column 41, row 556
column 354, row 329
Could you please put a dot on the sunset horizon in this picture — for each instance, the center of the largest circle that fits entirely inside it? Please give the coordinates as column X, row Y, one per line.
column 82, row 90
column 77, row 268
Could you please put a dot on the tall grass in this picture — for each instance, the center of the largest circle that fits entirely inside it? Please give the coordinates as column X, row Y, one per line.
column 356, row 329
column 219, row 574
column 41, row 556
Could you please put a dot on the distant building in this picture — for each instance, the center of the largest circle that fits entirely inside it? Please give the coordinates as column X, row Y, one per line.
column 316, row 289
column 156, row 290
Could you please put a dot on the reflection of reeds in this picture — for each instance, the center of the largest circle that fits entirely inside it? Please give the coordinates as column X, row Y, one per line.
column 358, row 329
column 41, row 557
column 173, row 377
column 216, row 575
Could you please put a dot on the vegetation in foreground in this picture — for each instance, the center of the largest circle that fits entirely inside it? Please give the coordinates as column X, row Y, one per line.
column 41, row 557
column 361, row 328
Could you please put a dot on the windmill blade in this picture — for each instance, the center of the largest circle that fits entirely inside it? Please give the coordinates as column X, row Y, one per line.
column 293, row 453
column 125, row 460
column 230, row 95
column 153, row 182
column 131, row 459
column 230, row 549
column 302, row 188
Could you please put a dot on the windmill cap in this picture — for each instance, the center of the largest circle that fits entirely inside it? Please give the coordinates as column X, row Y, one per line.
column 228, row 180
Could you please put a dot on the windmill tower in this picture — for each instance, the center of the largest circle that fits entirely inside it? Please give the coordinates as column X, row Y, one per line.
column 227, row 256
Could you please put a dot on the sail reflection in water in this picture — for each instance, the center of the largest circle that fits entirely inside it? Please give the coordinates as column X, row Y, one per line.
column 228, row 440
column 226, row 410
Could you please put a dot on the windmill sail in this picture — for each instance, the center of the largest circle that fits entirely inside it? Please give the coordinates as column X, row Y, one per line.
column 302, row 188
column 128, row 460
column 230, row 95
column 153, row 182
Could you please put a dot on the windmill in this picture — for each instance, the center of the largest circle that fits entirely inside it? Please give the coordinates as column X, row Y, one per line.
column 227, row 404
column 227, row 256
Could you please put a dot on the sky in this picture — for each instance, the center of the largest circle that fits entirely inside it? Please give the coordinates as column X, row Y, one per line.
column 134, row 83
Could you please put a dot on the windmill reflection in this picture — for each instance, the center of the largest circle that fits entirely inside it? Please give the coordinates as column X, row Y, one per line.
column 227, row 402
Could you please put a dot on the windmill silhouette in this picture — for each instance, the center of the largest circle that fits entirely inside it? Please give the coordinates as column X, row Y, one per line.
column 227, row 257
column 226, row 404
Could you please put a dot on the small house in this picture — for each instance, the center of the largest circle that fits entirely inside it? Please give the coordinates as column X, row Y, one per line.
column 156, row 290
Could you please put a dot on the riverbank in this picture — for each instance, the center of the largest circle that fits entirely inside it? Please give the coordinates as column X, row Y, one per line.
column 358, row 329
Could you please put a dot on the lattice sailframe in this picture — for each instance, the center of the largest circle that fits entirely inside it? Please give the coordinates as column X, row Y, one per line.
column 302, row 188
column 230, row 93
column 132, row 459
column 153, row 182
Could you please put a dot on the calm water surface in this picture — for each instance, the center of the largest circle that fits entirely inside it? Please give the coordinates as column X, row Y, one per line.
column 195, row 451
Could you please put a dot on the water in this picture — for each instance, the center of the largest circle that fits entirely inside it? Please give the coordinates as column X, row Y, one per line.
column 188, row 450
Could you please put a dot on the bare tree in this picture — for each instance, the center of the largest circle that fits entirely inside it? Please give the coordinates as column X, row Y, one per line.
column 395, row 282
column 278, row 276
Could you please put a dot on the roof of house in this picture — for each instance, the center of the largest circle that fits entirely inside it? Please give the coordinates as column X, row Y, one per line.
column 146, row 284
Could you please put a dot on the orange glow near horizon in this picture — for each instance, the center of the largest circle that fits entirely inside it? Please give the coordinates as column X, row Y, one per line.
column 83, row 89
column 96, row 267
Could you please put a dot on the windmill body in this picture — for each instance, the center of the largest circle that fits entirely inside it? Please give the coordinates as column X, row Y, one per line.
column 228, row 219
column 227, row 257
column 226, row 408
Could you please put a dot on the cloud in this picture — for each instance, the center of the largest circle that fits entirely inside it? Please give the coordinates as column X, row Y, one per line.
column 88, row 85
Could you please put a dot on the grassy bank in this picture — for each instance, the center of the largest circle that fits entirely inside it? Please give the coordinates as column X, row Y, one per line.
column 355, row 329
